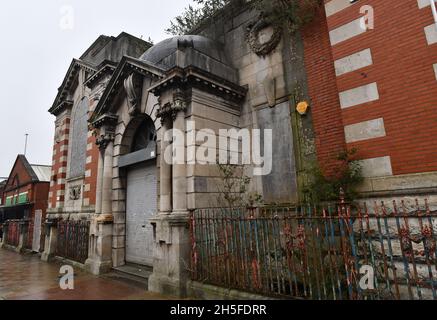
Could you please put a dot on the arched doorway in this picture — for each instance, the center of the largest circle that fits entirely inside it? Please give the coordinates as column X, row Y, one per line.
column 141, row 193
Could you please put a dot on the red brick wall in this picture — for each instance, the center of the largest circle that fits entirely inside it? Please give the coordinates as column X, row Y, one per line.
column 403, row 70
column 91, row 167
column 60, row 150
column 325, row 104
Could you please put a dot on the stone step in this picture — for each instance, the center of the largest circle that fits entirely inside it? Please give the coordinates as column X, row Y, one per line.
column 135, row 274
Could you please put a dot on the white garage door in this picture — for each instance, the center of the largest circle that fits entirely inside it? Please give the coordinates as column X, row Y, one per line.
column 141, row 205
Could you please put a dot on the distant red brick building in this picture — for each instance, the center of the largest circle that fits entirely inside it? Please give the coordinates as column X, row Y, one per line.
column 25, row 197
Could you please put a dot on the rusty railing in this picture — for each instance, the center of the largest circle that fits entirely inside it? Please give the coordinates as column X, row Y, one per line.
column 12, row 232
column 73, row 239
column 312, row 252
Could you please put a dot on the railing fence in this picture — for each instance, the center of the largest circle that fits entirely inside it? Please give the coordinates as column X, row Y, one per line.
column 336, row 253
column 73, row 240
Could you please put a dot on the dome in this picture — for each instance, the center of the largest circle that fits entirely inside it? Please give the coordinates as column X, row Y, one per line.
column 197, row 51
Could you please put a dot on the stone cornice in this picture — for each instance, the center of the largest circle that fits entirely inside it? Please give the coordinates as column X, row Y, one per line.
column 126, row 67
column 195, row 77
column 62, row 106
column 72, row 72
column 107, row 68
column 109, row 120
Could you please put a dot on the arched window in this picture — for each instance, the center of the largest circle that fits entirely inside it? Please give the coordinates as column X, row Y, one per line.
column 78, row 140
column 144, row 135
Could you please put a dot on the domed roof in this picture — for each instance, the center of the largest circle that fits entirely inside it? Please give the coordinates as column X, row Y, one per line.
column 198, row 51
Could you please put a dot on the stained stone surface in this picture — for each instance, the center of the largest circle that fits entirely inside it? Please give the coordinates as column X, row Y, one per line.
column 281, row 184
column 79, row 139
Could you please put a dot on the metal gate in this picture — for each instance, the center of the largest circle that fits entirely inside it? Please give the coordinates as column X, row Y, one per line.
column 73, row 239
column 141, row 206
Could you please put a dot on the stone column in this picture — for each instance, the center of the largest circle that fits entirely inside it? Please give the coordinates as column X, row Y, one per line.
column 24, row 232
column 107, row 177
column 100, row 252
column 179, row 168
column 165, row 186
column 4, row 235
column 172, row 242
column 51, row 228
column 100, row 167
column 100, row 255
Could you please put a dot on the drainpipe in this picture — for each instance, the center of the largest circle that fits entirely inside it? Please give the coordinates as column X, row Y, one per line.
column 434, row 11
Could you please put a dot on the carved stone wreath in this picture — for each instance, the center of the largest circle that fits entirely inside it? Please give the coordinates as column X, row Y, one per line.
column 263, row 49
column 75, row 192
column 58, row 134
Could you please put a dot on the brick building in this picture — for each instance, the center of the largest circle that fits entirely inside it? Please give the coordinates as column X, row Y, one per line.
column 374, row 89
column 370, row 82
column 25, row 198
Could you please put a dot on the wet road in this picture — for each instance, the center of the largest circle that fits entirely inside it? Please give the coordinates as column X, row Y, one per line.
column 26, row 277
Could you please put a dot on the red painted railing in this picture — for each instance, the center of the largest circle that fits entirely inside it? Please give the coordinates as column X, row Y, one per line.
column 319, row 252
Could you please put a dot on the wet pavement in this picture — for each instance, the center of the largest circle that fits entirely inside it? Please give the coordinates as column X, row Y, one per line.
column 26, row 277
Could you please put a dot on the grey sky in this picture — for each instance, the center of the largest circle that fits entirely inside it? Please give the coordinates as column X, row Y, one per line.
column 36, row 53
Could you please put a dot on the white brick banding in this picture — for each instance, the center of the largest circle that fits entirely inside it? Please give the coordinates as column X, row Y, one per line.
column 424, row 3
column 359, row 95
column 334, row 6
column 431, row 34
column 365, row 130
column 435, row 70
column 353, row 62
column 348, row 31
column 376, row 167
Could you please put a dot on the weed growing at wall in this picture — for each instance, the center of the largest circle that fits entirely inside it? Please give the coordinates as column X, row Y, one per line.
column 321, row 188
column 291, row 13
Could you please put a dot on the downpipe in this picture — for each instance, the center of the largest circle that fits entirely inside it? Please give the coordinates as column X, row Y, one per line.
column 434, row 11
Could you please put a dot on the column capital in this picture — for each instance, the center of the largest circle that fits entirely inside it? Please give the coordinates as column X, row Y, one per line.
column 171, row 109
column 104, row 140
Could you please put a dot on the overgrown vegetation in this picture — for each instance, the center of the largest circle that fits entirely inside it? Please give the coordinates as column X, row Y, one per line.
column 193, row 15
column 292, row 13
column 233, row 192
column 322, row 188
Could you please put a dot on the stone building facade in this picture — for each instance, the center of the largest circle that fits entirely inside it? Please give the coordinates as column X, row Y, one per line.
column 121, row 97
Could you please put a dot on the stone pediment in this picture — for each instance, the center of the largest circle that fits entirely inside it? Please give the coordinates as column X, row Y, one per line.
column 127, row 80
column 70, row 79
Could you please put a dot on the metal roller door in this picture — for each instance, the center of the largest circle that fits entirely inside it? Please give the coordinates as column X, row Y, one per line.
column 141, row 205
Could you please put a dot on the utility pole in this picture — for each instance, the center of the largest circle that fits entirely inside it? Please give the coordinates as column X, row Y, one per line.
column 25, row 144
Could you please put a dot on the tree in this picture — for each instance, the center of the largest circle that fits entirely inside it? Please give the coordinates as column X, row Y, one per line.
column 293, row 13
column 192, row 16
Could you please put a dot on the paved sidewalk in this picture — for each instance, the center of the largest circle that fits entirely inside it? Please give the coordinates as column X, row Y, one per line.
column 26, row 277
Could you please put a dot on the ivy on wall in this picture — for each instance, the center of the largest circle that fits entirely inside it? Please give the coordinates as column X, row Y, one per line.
column 291, row 13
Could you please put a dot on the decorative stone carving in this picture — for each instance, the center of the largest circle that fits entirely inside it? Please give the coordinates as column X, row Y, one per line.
column 263, row 48
column 171, row 109
column 75, row 192
column 132, row 86
column 58, row 133
column 269, row 85
column 104, row 139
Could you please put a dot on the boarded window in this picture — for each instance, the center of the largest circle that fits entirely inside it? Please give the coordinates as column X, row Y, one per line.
column 78, row 141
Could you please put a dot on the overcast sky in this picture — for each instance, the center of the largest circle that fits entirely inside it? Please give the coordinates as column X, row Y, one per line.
column 38, row 43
